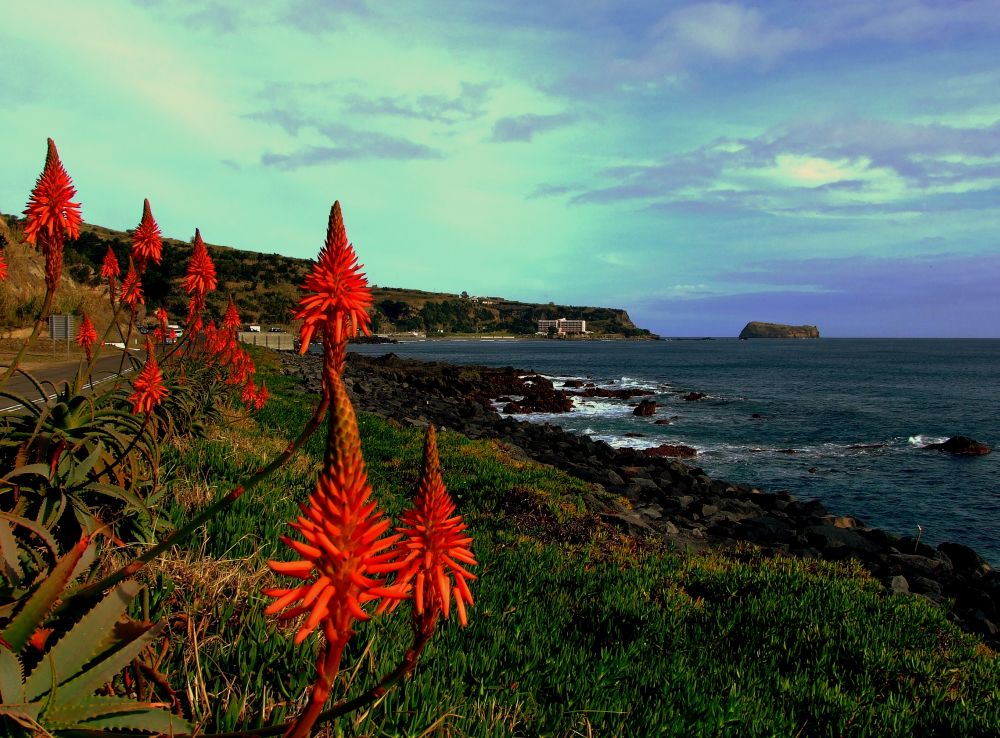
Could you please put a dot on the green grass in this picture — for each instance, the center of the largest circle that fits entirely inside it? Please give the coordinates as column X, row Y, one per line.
column 595, row 636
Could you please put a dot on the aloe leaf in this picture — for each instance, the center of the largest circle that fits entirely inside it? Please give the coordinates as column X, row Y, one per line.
column 113, row 713
column 83, row 642
column 40, row 469
column 42, row 600
column 9, row 559
column 110, row 490
column 24, row 714
column 39, row 530
column 11, row 677
column 100, row 673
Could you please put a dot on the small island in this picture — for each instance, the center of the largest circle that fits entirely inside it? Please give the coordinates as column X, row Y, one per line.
column 756, row 329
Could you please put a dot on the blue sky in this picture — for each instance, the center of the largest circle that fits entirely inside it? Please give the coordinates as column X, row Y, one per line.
column 699, row 164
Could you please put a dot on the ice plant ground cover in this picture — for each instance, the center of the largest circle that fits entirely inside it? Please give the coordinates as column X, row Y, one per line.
column 599, row 634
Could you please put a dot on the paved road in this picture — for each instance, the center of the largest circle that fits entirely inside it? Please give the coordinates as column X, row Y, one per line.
column 52, row 376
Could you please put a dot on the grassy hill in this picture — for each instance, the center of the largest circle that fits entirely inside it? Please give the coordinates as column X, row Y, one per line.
column 266, row 287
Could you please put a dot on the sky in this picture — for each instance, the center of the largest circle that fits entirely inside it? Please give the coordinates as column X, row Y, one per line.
column 700, row 164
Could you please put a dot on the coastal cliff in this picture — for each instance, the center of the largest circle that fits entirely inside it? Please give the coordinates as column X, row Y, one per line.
column 756, row 329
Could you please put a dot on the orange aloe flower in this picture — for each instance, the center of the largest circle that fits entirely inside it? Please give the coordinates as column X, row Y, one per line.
column 249, row 393
column 262, row 397
column 344, row 557
column 50, row 212
column 231, row 320
column 51, row 216
column 147, row 243
column 434, row 537
column 3, row 267
column 132, row 287
column 110, row 269
column 200, row 279
column 87, row 336
column 148, row 386
column 340, row 297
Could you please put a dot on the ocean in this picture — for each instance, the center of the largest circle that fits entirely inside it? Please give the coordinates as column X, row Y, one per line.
column 839, row 420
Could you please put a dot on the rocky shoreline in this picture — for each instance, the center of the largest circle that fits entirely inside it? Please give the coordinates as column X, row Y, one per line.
column 668, row 499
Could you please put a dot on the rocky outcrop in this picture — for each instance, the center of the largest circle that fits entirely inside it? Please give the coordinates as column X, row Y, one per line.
column 645, row 408
column 961, row 446
column 668, row 449
column 756, row 329
column 648, row 495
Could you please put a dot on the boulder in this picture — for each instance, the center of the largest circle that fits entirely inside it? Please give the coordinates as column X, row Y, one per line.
column 678, row 451
column 961, row 446
column 693, row 396
column 645, row 408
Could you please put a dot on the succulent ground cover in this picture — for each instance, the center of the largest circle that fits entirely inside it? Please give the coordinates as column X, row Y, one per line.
column 592, row 633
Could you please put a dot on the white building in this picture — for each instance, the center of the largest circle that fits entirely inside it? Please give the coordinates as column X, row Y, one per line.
column 563, row 326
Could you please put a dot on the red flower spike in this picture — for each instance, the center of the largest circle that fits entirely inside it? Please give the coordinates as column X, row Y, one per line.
column 231, row 320
column 148, row 386
column 262, row 397
column 200, row 279
column 50, row 214
column 438, row 548
column 345, row 556
column 87, row 336
column 339, row 290
column 161, row 318
column 249, row 393
column 147, row 243
column 3, row 267
column 132, row 287
column 110, row 269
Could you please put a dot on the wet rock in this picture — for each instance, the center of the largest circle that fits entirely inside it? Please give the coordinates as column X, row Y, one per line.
column 645, row 408
column 694, row 396
column 960, row 446
column 671, row 450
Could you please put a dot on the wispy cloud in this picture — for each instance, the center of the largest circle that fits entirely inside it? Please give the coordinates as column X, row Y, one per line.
column 350, row 144
column 837, row 166
column 526, row 127
column 469, row 104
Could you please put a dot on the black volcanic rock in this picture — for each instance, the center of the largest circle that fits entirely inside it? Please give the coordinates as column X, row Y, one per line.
column 960, row 446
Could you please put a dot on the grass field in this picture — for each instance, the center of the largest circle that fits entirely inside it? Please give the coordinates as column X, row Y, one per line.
column 576, row 630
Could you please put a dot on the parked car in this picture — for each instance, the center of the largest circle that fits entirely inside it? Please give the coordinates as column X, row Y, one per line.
column 276, row 329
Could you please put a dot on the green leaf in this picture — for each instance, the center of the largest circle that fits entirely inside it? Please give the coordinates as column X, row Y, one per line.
column 39, row 530
column 100, row 673
column 11, row 677
column 88, row 638
column 42, row 470
column 10, row 562
column 114, row 713
column 40, row 603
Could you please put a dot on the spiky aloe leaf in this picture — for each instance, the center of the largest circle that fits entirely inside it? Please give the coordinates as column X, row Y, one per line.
column 113, row 713
column 39, row 530
column 44, row 598
column 10, row 561
column 83, row 686
column 86, row 640
column 11, row 677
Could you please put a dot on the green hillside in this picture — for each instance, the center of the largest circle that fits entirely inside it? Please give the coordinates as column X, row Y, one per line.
column 266, row 287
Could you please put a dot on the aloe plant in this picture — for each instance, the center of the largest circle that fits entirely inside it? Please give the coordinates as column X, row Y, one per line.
column 54, row 692
column 78, row 463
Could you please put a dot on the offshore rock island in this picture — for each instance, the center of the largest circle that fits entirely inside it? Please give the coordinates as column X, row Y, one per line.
column 757, row 329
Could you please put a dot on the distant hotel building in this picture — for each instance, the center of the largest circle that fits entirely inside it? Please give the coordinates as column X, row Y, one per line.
column 562, row 326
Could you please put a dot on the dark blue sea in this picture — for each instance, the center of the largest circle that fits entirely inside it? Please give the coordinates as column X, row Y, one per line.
column 819, row 401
